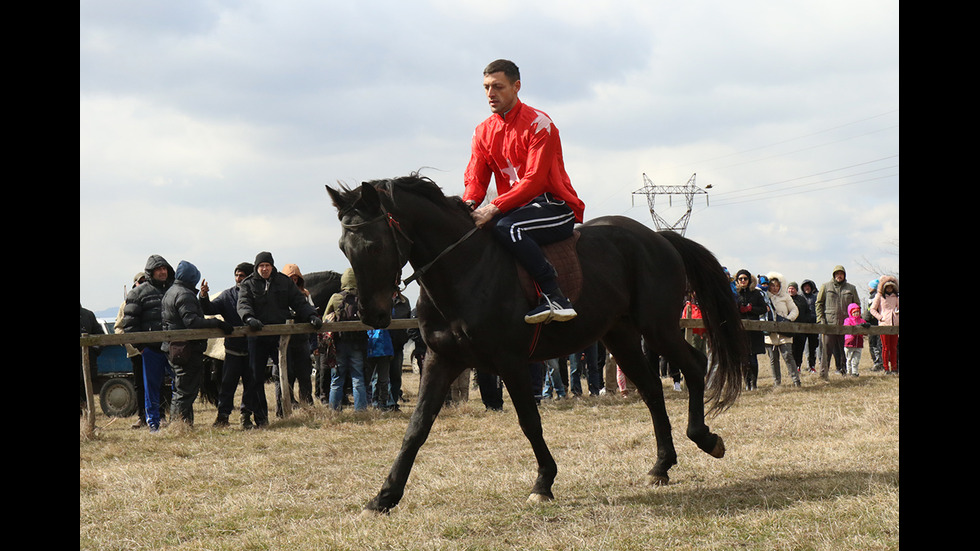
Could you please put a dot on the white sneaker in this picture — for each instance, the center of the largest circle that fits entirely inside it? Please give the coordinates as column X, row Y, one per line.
column 557, row 309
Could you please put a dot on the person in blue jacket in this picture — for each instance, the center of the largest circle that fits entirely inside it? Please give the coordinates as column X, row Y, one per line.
column 378, row 365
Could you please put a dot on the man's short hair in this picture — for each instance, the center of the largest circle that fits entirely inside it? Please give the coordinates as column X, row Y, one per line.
column 509, row 68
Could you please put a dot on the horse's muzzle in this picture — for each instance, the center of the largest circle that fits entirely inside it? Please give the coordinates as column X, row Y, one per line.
column 378, row 320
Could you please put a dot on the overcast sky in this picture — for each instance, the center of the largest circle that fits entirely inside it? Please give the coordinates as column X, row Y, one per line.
column 208, row 129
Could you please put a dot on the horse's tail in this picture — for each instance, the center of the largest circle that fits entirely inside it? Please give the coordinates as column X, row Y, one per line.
column 726, row 336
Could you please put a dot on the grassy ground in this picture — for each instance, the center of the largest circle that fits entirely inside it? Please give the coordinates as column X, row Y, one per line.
column 814, row 467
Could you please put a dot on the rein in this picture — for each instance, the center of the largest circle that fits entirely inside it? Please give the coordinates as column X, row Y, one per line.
column 396, row 230
column 418, row 273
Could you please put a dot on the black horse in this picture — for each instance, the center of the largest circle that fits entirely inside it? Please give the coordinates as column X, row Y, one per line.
column 322, row 286
column 471, row 309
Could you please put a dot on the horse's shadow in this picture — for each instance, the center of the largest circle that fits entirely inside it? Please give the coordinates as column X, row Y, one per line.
column 767, row 493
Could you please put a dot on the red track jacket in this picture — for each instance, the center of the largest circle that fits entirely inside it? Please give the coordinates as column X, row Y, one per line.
column 523, row 153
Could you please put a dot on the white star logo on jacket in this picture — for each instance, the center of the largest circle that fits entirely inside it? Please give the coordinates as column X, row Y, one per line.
column 542, row 122
column 511, row 173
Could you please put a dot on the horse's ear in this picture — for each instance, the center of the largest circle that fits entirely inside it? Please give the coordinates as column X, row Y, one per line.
column 369, row 198
column 338, row 199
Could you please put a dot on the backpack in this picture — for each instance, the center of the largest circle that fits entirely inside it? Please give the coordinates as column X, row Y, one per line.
column 348, row 312
column 348, row 307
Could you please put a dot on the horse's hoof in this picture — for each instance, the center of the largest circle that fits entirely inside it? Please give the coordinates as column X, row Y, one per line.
column 657, row 480
column 368, row 512
column 719, row 450
column 538, row 498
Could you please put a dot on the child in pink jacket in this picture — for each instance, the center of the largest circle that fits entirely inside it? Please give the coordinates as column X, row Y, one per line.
column 853, row 343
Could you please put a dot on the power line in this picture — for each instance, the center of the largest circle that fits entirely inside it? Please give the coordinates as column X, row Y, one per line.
column 778, row 193
column 741, row 191
column 742, row 152
column 806, row 148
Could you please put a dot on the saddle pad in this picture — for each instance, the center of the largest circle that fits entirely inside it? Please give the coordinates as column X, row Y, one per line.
column 564, row 258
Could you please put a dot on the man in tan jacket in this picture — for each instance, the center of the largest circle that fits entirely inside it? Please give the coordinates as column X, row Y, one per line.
column 832, row 302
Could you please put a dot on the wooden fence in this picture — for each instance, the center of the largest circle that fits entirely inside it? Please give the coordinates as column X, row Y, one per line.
column 285, row 331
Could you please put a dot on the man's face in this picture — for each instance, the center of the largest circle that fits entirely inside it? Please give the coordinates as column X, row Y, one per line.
column 792, row 291
column 264, row 269
column 160, row 273
column 501, row 92
column 239, row 276
column 839, row 276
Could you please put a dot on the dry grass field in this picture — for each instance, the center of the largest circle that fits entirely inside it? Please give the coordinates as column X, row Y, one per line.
column 815, row 467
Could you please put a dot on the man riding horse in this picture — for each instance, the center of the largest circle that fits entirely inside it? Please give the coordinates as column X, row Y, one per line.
column 535, row 204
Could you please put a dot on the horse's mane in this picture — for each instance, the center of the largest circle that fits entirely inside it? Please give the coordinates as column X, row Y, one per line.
column 423, row 186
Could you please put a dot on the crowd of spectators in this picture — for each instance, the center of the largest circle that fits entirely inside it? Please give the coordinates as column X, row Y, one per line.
column 363, row 369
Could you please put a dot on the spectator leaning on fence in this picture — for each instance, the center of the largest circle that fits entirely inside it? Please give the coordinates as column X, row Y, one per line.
column 751, row 305
column 832, row 301
column 143, row 312
column 809, row 290
column 236, row 365
column 854, row 343
column 805, row 316
column 885, row 309
column 298, row 353
column 351, row 346
column 780, row 345
column 401, row 309
column 182, row 310
column 89, row 325
column 266, row 297
column 133, row 355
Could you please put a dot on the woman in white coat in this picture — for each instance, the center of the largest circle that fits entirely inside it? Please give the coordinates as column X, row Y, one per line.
column 779, row 345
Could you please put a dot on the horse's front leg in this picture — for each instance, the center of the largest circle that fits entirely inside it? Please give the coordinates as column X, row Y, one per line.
column 433, row 387
column 518, row 384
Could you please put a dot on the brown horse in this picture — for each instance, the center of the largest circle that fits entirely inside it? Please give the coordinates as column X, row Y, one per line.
column 471, row 309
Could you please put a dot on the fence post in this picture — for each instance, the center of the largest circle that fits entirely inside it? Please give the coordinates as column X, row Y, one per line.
column 285, row 391
column 87, row 377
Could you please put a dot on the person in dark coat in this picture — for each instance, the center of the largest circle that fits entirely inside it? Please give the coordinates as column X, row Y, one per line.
column 236, row 366
column 401, row 309
column 265, row 297
column 751, row 305
column 88, row 324
column 182, row 310
column 806, row 315
column 298, row 354
column 419, row 349
column 143, row 312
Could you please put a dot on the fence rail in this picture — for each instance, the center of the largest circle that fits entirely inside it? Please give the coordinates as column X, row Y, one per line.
column 302, row 328
column 285, row 331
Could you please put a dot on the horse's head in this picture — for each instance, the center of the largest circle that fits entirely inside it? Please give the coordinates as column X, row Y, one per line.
column 369, row 241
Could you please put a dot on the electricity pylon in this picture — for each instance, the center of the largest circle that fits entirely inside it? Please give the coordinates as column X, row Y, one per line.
column 688, row 190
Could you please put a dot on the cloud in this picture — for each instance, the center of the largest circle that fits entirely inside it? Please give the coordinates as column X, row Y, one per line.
column 208, row 129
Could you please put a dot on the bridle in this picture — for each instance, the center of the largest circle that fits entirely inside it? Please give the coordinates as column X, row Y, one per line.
column 397, row 231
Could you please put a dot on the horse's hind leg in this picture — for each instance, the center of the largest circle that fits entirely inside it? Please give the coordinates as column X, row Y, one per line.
column 436, row 379
column 693, row 365
column 519, row 387
column 625, row 346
